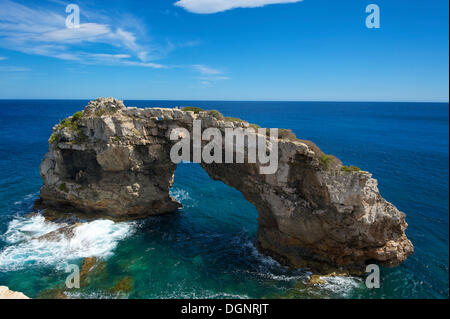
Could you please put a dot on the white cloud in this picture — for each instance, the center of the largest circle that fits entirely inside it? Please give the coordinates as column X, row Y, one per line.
column 2, row 58
column 209, row 76
column 214, row 6
column 43, row 32
column 9, row 68
column 92, row 32
column 205, row 84
column 100, row 39
column 214, row 78
column 205, row 70
column 146, row 64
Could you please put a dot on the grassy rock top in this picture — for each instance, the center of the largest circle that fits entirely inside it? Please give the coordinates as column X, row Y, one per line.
column 72, row 129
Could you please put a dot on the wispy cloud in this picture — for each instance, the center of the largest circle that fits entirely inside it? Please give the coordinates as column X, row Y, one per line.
column 11, row 68
column 147, row 64
column 214, row 6
column 205, row 70
column 102, row 38
column 214, row 78
column 41, row 31
column 209, row 75
column 205, row 84
column 8, row 68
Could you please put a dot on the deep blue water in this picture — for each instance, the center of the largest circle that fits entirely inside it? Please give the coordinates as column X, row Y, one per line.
column 206, row 249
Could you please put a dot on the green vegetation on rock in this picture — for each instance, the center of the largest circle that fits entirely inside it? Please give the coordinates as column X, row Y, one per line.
column 234, row 119
column 63, row 188
column 216, row 114
column 350, row 168
column 326, row 161
column 73, row 124
column 77, row 116
column 194, row 109
column 255, row 126
column 286, row 134
column 100, row 112
column 52, row 138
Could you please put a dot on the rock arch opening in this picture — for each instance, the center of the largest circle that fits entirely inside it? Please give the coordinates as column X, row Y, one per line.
column 214, row 201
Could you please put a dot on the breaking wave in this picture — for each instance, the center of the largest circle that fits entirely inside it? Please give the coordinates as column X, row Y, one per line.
column 34, row 240
column 340, row 285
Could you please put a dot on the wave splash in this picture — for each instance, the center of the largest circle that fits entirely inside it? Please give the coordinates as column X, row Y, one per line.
column 34, row 240
column 269, row 269
column 183, row 197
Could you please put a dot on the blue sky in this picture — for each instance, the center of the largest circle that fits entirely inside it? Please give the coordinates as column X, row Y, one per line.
column 225, row 50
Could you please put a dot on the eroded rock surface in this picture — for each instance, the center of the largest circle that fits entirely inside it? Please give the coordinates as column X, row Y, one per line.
column 5, row 293
column 115, row 160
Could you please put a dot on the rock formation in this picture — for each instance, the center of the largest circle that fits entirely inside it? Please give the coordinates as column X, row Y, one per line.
column 5, row 293
column 114, row 160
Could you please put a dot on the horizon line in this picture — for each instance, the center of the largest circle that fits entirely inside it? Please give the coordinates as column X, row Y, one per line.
column 226, row 100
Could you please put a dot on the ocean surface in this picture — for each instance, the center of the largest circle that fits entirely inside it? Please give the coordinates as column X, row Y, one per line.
column 207, row 248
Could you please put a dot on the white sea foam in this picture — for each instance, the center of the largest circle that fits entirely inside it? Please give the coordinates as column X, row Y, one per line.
column 179, row 194
column 266, row 261
column 97, row 238
column 183, row 197
column 21, row 229
column 213, row 295
column 334, row 285
column 93, row 295
column 341, row 285
column 184, row 292
column 281, row 277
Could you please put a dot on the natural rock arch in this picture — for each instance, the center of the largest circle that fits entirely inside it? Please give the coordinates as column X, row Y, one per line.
column 116, row 160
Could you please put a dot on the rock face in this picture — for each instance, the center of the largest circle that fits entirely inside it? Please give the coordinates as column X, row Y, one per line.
column 313, row 211
column 5, row 293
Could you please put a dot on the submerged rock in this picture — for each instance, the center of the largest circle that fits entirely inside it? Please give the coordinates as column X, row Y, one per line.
column 92, row 269
column 54, row 293
column 88, row 264
column 313, row 211
column 66, row 232
column 124, row 285
column 315, row 280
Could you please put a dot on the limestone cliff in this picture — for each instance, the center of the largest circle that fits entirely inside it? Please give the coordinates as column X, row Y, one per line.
column 114, row 160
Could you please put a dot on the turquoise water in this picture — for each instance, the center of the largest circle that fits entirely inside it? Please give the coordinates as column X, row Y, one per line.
column 206, row 249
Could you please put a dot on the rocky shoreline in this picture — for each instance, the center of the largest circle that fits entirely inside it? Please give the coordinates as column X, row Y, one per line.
column 5, row 293
column 111, row 160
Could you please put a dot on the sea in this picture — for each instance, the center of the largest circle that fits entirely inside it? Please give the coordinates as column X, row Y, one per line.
column 207, row 248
